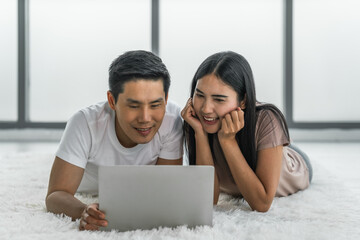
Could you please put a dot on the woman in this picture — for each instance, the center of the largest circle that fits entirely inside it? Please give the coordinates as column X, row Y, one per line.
column 246, row 141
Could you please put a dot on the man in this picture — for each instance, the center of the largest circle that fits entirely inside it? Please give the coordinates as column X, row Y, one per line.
column 136, row 126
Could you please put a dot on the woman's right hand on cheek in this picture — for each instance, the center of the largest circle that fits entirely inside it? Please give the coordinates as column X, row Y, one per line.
column 189, row 115
column 92, row 218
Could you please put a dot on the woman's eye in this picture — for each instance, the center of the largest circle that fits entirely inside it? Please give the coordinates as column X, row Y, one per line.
column 199, row 95
column 219, row 100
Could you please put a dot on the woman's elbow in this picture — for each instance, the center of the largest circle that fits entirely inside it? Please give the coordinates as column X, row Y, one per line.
column 262, row 207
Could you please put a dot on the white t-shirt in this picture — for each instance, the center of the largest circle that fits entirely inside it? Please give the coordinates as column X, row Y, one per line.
column 89, row 140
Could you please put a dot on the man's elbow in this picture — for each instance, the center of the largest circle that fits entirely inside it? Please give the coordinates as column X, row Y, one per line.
column 48, row 202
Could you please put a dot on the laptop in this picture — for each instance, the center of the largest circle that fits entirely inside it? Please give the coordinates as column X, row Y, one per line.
column 146, row 197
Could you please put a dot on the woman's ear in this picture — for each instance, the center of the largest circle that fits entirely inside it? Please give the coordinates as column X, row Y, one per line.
column 111, row 100
column 243, row 103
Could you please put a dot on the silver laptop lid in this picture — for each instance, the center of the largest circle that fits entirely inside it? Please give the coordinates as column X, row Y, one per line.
column 145, row 197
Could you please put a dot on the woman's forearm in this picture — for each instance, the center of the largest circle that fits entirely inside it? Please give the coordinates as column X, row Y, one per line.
column 245, row 178
column 204, row 157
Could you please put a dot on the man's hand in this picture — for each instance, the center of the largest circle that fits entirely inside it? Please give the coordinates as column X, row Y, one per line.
column 92, row 218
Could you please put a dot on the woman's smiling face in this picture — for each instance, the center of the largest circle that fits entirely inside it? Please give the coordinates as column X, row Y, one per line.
column 212, row 100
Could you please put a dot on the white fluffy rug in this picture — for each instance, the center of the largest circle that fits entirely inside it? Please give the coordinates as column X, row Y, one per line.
column 327, row 210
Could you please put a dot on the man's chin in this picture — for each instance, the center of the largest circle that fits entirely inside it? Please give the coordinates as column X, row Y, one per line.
column 144, row 140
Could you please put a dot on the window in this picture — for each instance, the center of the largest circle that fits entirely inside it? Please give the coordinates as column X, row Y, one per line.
column 190, row 31
column 326, row 61
column 8, row 60
column 55, row 54
column 72, row 43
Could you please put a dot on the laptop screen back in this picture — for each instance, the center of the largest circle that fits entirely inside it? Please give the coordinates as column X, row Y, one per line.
column 145, row 197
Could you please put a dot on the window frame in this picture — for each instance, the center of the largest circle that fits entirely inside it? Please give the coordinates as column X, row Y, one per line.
column 23, row 74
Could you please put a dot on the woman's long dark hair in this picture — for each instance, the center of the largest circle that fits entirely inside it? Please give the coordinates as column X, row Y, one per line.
column 235, row 71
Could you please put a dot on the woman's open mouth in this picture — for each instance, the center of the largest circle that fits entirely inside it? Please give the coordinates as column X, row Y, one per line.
column 210, row 120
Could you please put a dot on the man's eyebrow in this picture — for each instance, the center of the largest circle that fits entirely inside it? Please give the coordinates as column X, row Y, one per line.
column 133, row 101
column 214, row 95
column 157, row 100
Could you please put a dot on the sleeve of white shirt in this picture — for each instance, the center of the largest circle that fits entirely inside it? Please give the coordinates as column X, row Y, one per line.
column 75, row 143
column 172, row 148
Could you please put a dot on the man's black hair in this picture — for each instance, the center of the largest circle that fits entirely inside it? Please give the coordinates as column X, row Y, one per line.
column 135, row 65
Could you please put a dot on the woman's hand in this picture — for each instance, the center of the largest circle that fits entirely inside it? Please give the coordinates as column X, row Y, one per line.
column 189, row 115
column 92, row 218
column 231, row 124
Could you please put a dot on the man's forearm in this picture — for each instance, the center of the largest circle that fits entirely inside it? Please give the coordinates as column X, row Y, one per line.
column 62, row 202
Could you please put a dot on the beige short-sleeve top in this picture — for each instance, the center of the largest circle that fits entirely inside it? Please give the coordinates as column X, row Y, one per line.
column 294, row 174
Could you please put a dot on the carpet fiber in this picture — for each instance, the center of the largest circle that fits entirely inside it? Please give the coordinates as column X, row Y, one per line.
column 327, row 210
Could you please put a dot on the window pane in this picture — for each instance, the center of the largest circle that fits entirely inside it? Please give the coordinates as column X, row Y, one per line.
column 72, row 43
column 190, row 31
column 8, row 60
column 326, row 60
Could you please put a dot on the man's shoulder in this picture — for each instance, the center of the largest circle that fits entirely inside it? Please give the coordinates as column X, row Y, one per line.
column 92, row 116
column 172, row 118
column 96, row 111
column 96, row 108
column 172, row 111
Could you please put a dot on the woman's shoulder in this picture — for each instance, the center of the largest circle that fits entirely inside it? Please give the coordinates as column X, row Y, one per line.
column 268, row 111
column 265, row 114
column 271, row 129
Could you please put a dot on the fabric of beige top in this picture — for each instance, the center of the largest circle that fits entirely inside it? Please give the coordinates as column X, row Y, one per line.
column 268, row 133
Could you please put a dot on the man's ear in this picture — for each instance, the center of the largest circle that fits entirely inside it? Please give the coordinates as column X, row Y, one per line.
column 111, row 100
column 166, row 98
column 243, row 102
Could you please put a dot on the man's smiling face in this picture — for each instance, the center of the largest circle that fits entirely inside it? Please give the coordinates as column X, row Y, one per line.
column 140, row 109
